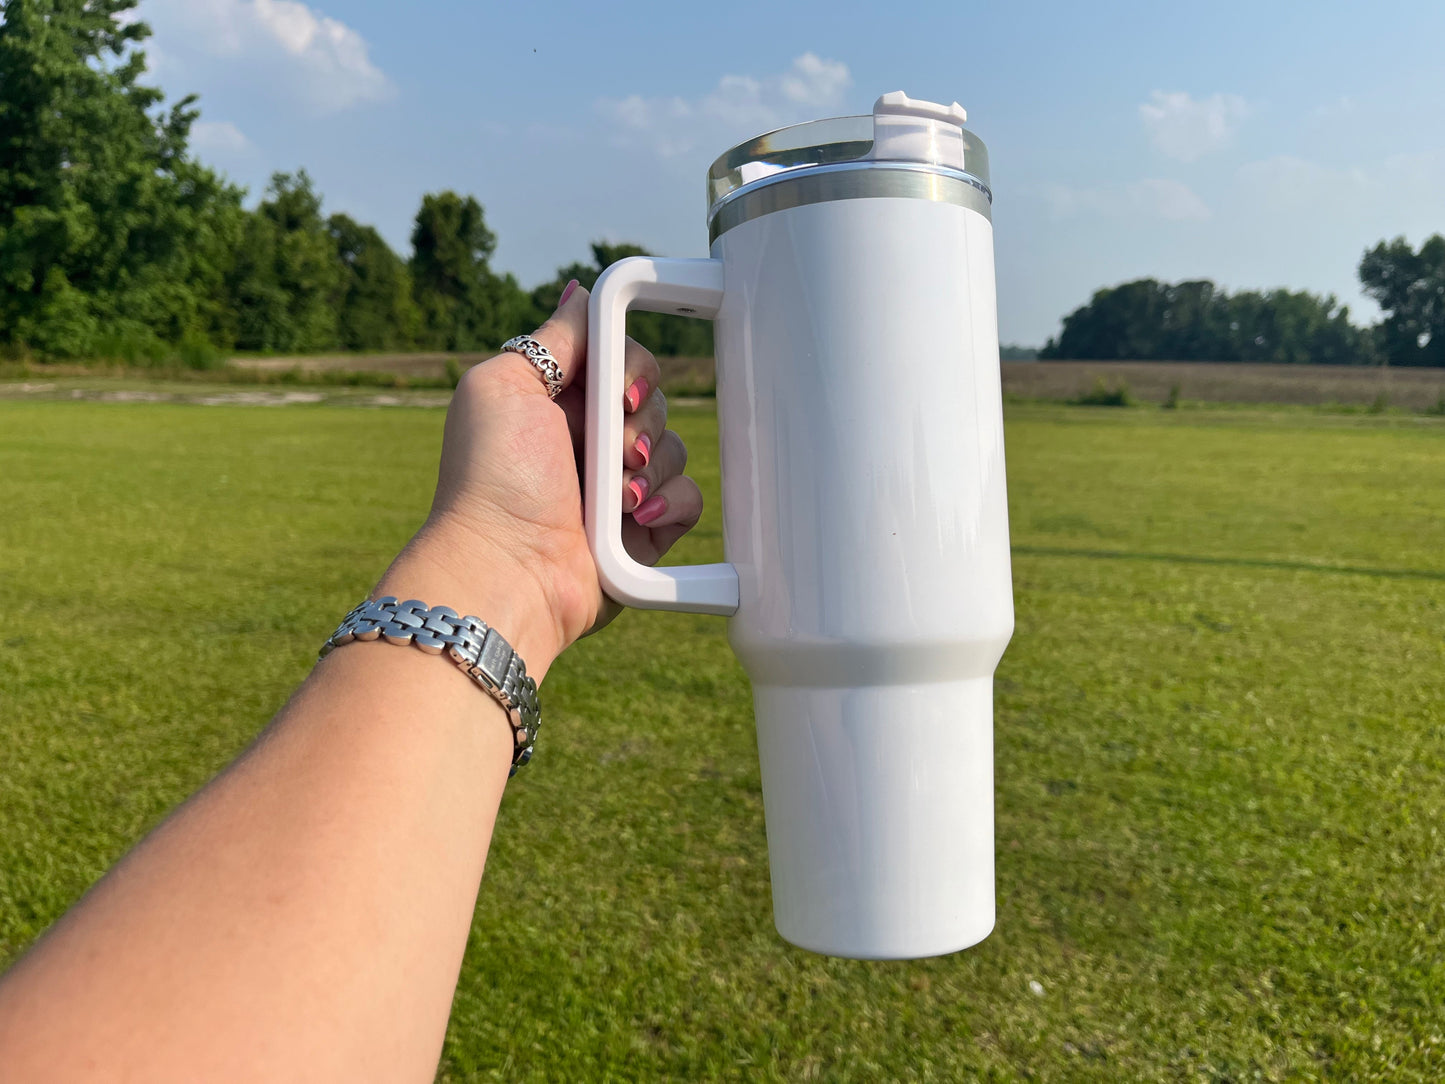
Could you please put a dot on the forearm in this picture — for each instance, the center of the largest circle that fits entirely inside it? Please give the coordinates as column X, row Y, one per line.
column 304, row 916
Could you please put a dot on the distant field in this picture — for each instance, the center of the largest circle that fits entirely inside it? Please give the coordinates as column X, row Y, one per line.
column 429, row 366
column 1219, row 382
column 1207, row 382
column 1220, row 749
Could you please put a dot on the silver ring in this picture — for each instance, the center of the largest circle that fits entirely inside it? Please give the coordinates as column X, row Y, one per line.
column 540, row 359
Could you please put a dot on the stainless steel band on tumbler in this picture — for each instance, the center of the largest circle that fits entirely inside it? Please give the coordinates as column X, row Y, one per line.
column 849, row 180
column 481, row 652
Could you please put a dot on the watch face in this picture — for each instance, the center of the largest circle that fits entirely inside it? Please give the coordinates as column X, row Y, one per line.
column 496, row 657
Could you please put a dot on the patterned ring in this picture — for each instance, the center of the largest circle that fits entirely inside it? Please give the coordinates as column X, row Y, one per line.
column 541, row 359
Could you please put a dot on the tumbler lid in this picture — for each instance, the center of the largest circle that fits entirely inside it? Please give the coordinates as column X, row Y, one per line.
column 902, row 130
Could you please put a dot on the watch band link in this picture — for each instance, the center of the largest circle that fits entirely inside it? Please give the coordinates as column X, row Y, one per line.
column 479, row 650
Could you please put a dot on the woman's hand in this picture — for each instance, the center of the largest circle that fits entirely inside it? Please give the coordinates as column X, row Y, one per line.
column 509, row 500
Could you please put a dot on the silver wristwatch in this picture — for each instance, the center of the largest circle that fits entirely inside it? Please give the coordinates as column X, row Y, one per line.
column 480, row 651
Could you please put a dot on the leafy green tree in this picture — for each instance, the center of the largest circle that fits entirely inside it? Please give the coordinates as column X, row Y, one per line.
column 464, row 305
column 1148, row 320
column 375, row 308
column 112, row 239
column 1293, row 327
column 1195, row 322
column 255, row 310
column 1410, row 287
column 1119, row 322
column 512, row 309
column 284, row 285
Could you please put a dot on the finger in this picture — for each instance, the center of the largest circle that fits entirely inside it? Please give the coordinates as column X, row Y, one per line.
column 666, row 516
column 642, row 430
column 573, row 402
column 669, row 458
column 641, row 376
column 564, row 335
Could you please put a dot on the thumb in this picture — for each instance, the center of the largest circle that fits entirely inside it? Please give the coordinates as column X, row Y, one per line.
column 564, row 336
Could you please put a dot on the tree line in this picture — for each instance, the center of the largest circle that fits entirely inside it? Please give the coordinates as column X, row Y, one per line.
column 1147, row 320
column 115, row 241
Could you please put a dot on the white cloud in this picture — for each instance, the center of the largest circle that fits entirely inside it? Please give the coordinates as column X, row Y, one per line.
column 219, row 136
column 738, row 107
column 1185, row 129
column 1153, row 197
column 814, row 81
column 283, row 44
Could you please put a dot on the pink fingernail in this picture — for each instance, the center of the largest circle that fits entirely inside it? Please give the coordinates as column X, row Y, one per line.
column 567, row 293
column 638, row 486
column 644, row 448
column 636, row 394
column 648, row 512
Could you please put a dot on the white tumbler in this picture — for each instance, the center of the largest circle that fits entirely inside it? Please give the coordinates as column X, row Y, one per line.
column 864, row 509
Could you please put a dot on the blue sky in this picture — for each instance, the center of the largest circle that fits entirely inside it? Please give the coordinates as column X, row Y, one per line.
column 1258, row 144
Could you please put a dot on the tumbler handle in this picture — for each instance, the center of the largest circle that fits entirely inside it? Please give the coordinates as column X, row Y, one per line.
column 683, row 287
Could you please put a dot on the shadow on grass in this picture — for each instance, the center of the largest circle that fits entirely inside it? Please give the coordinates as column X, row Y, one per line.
column 1230, row 562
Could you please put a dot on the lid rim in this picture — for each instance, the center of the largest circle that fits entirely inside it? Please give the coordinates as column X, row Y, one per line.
column 721, row 160
column 799, row 172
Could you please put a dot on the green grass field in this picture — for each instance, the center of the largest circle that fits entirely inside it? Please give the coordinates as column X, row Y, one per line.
column 1220, row 749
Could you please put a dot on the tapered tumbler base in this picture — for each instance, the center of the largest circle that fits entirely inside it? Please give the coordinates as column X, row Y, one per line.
column 879, row 809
